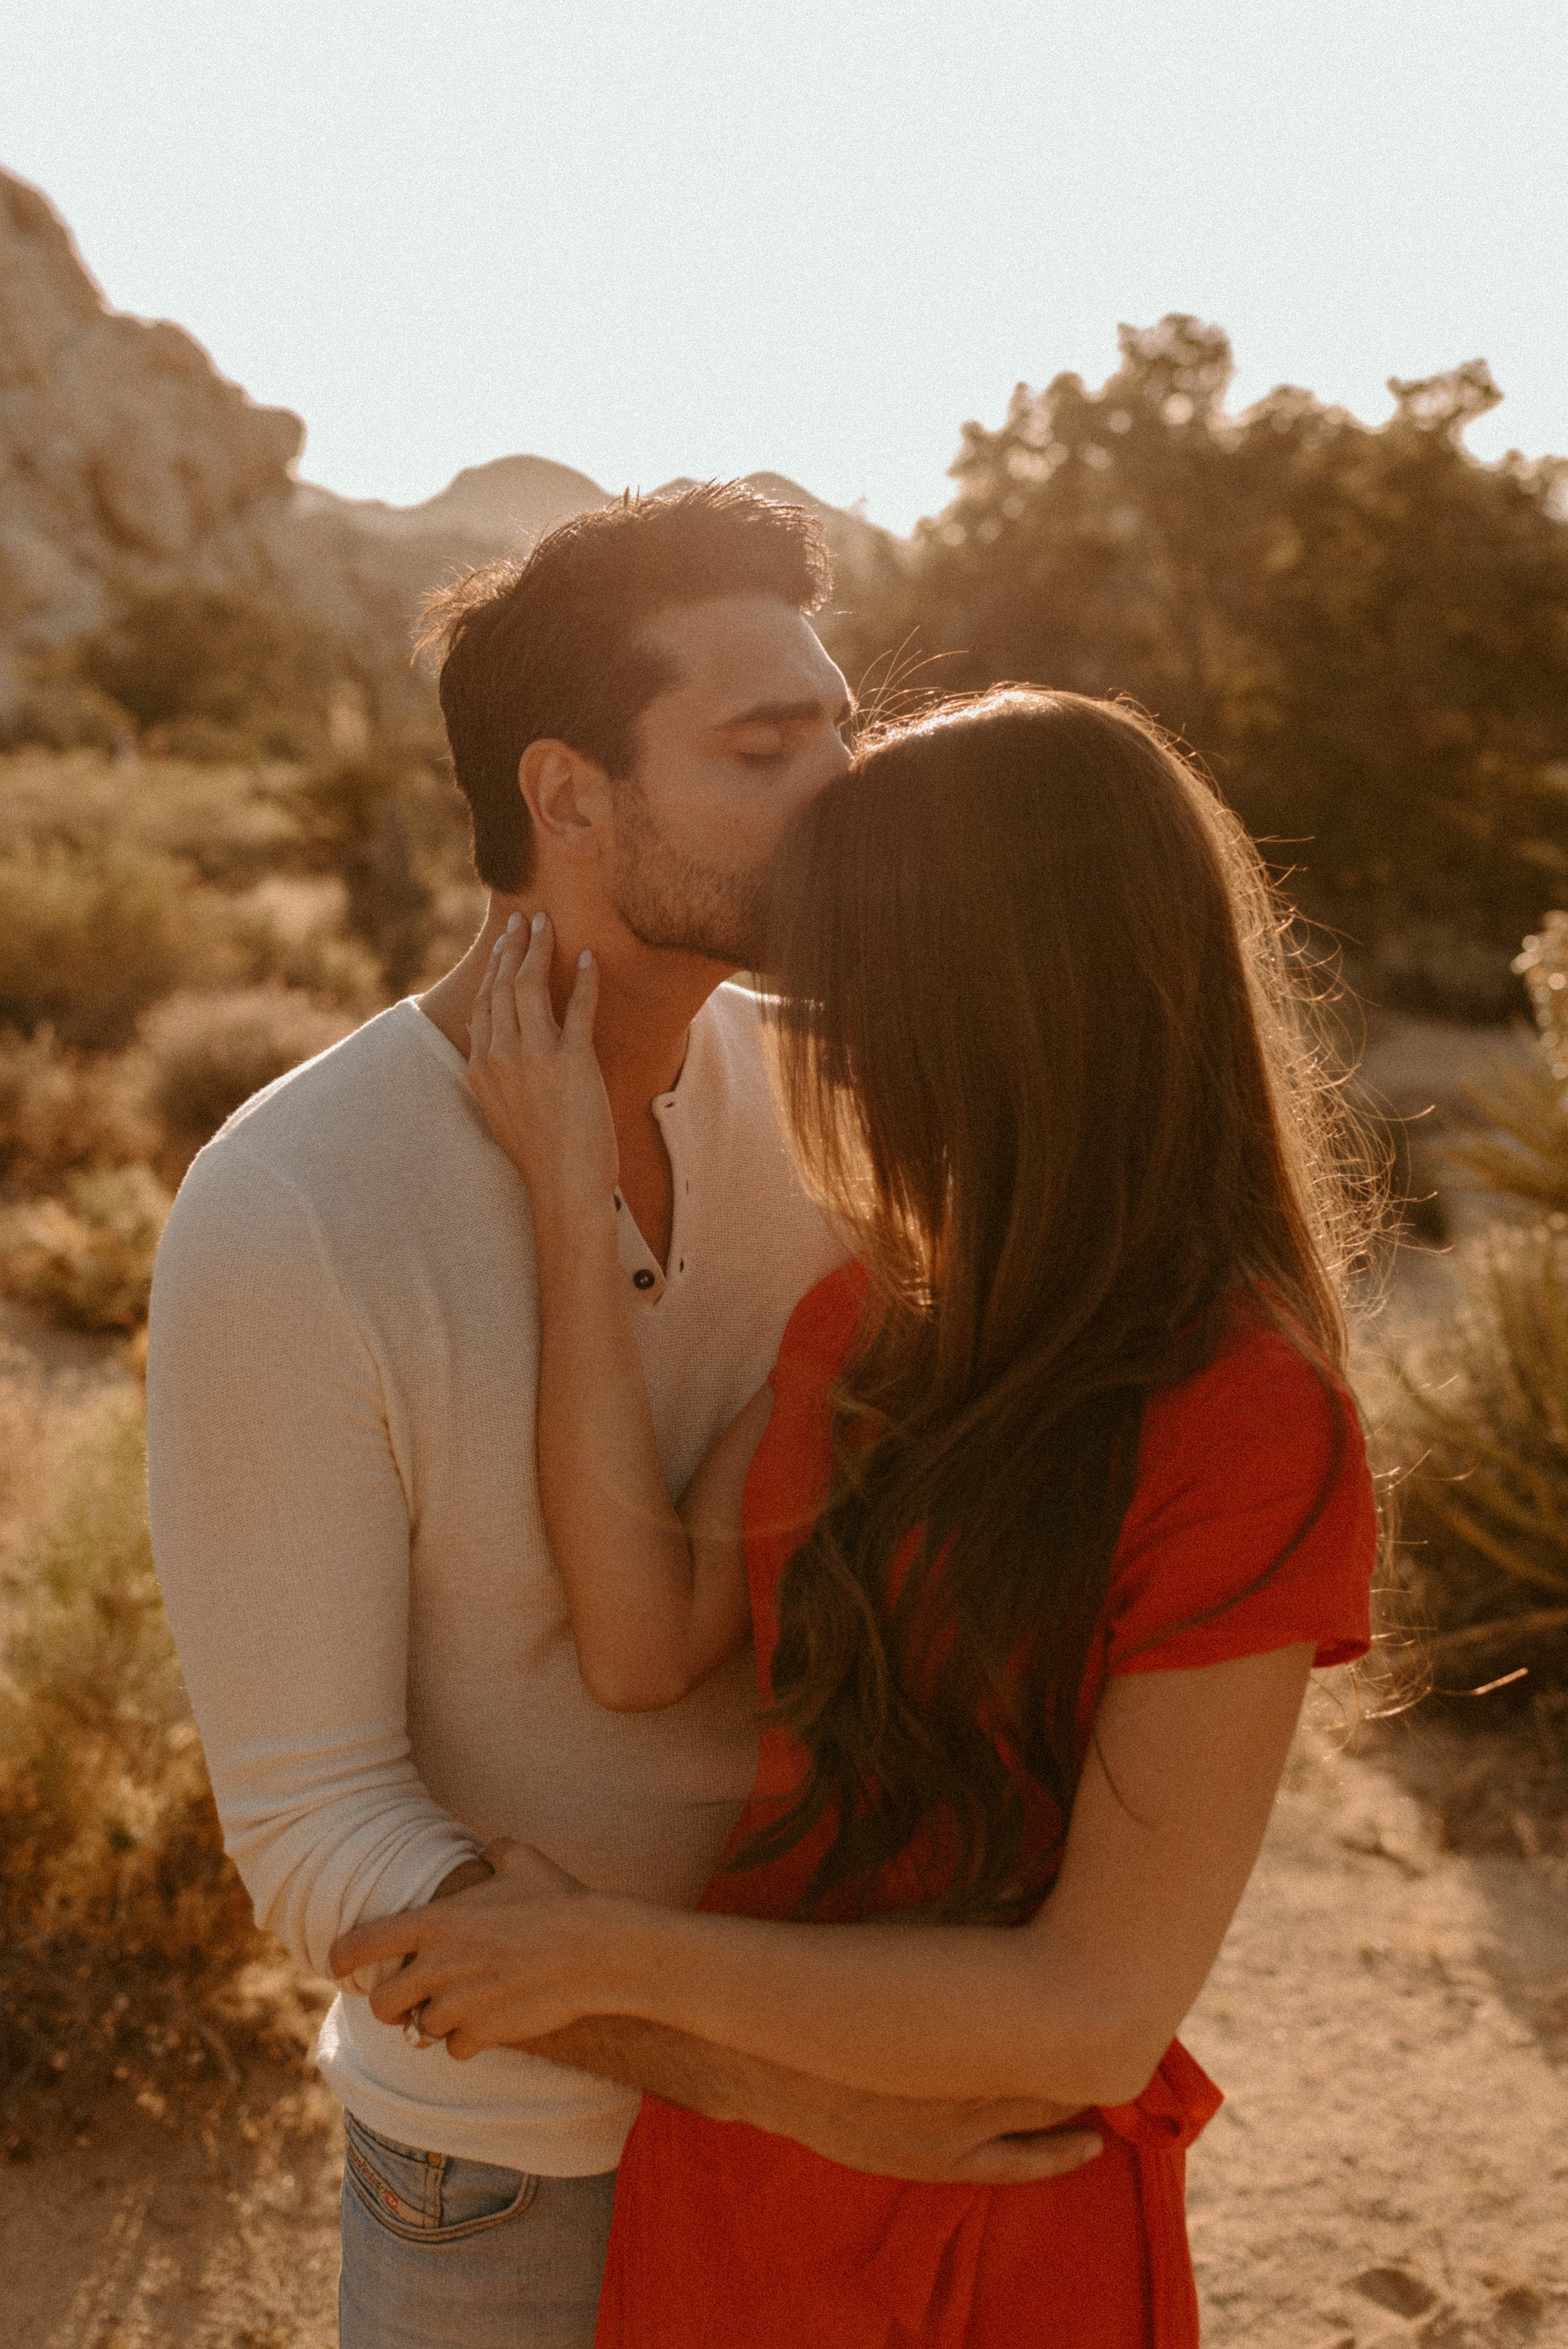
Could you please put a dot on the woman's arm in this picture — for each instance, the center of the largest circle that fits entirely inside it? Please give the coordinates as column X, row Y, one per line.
column 1077, row 2006
column 658, row 1595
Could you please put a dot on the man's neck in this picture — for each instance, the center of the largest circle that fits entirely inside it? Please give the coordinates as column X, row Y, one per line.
column 647, row 1001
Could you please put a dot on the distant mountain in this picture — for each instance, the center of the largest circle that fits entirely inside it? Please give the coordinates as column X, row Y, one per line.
column 129, row 465
column 507, row 503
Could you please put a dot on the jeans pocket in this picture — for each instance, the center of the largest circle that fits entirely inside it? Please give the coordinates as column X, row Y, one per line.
column 430, row 2197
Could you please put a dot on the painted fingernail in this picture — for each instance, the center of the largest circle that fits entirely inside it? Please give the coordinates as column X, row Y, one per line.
column 538, row 924
column 514, row 921
column 586, row 958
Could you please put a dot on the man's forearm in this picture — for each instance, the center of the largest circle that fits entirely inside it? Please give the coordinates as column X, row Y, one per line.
column 894, row 2136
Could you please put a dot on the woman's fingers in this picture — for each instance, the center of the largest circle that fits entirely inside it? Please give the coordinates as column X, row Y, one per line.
column 513, row 945
column 536, row 1029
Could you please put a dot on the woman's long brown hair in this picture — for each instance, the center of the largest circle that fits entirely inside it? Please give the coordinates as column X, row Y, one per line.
column 1041, row 1053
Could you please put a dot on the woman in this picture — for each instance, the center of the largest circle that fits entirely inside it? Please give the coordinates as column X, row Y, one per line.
column 1053, row 1500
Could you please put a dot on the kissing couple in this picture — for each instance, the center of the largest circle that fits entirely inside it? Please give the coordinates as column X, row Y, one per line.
column 746, row 1557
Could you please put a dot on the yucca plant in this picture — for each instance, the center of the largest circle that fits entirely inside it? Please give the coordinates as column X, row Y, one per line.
column 1521, row 1149
column 1484, row 1507
column 1485, row 1413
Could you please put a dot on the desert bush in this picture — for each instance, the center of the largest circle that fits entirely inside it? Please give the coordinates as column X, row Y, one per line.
column 229, row 824
column 205, row 1054
column 121, row 1920
column 365, row 815
column 215, row 675
column 86, row 1259
column 289, row 931
column 90, row 937
column 63, row 1112
column 1483, row 1437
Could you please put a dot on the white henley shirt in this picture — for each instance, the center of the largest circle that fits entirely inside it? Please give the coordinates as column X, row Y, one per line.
column 341, row 1392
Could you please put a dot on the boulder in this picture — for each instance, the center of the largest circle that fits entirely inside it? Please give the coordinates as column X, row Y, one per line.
column 127, row 463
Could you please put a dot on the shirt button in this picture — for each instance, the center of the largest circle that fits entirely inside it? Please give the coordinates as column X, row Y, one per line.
column 642, row 1279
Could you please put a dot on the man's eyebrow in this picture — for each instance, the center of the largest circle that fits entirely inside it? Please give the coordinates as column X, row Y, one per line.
column 782, row 713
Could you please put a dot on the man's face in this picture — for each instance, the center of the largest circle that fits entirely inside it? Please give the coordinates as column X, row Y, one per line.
column 726, row 757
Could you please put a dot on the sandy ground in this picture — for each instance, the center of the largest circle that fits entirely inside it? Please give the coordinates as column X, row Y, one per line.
column 1389, row 2022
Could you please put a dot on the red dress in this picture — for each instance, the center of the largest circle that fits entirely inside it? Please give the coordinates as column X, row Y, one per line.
column 725, row 2237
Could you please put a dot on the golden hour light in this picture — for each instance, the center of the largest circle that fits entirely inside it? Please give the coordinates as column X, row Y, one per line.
column 783, row 1176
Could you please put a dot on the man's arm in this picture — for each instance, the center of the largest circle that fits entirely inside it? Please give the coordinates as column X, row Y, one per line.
column 976, row 2142
column 281, row 1533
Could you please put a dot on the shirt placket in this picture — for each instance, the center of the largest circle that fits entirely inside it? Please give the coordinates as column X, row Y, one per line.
column 640, row 1265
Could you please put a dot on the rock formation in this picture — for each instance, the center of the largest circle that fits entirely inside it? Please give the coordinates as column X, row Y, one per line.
column 129, row 466
column 126, row 462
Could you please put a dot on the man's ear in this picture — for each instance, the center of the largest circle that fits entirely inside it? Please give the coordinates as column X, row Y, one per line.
column 567, row 795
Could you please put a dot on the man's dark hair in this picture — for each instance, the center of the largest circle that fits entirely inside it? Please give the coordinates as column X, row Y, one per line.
column 549, row 648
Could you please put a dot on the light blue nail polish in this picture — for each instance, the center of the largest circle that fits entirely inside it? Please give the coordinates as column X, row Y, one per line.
column 512, row 922
column 538, row 921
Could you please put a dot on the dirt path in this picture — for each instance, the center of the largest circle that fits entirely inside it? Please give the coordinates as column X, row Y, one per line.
column 142, row 2238
column 1389, row 2022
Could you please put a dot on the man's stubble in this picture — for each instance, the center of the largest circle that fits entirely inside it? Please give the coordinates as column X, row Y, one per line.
column 671, row 902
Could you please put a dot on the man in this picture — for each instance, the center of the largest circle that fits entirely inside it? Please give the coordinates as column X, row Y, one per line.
column 341, row 1391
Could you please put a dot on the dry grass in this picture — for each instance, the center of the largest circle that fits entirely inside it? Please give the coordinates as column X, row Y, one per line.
column 63, row 1112
column 86, row 1258
column 125, row 1937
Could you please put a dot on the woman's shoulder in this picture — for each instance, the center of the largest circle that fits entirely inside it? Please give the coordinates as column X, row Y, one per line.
column 1253, row 1518
column 1264, row 1394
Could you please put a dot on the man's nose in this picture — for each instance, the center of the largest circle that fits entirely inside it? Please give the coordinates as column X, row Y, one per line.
column 837, row 756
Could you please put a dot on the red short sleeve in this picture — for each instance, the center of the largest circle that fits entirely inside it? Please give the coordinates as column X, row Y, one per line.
column 1254, row 1511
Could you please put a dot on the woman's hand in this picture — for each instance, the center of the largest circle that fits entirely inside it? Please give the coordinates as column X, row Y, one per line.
column 506, row 1961
column 540, row 1084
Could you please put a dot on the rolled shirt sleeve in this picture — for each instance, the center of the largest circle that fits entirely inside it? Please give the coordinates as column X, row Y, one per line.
column 281, row 1533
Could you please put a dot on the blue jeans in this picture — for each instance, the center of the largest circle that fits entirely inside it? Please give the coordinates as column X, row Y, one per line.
column 443, row 2253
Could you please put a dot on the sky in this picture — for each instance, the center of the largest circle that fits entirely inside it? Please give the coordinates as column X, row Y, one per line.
column 658, row 237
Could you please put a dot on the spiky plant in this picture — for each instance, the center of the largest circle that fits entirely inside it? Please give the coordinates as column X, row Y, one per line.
column 1521, row 1151
column 1484, row 1511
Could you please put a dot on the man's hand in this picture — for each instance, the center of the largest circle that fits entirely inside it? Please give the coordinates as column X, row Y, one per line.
column 978, row 2143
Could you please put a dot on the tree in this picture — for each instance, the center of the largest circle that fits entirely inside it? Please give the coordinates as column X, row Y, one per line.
column 1363, row 632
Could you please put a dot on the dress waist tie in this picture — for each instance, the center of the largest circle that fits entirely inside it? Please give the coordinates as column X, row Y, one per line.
column 925, row 2278
column 1178, row 2102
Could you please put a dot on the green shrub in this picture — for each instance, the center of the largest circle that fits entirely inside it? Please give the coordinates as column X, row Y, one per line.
column 216, row 674
column 205, row 1054
column 122, row 1923
column 90, row 937
column 87, row 1259
column 1484, row 1507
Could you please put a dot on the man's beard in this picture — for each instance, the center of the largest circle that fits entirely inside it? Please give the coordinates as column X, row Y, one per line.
column 668, row 900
